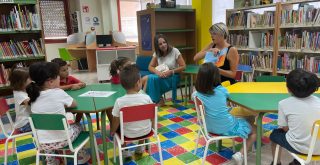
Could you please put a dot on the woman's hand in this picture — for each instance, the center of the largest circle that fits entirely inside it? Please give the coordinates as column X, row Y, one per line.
column 168, row 73
column 214, row 50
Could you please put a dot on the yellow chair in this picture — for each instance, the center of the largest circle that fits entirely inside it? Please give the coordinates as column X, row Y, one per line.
column 302, row 158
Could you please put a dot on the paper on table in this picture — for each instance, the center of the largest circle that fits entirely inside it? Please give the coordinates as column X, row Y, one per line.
column 97, row 94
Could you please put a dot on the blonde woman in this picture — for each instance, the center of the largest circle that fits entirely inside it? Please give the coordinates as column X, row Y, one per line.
column 219, row 51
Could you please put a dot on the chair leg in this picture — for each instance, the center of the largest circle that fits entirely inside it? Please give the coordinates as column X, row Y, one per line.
column 120, row 154
column 65, row 158
column 160, row 151
column 38, row 157
column 75, row 157
column 245, row 152
column 197, row 141
column 233, row 146
column 114, row 149
column 14, row 145
column 6, row 151
column 181, row 93
column 205, row 153
column 97, row 150
column 276, row 155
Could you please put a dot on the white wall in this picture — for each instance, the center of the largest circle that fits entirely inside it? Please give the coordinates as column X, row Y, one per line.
column 219, row 10
column 52, row 50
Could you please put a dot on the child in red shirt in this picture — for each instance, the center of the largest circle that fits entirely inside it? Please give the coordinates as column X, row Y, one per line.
column 116, row 66
column 66, row 81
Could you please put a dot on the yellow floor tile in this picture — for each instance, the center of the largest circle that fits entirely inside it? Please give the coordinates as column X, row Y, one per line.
column 166, row 122
column 173, row 161
column 189, row 146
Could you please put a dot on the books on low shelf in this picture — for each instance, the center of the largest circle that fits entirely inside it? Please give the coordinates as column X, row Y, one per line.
column 257, row 60
column 297, row 39
column 16, row 49
column 287, row 62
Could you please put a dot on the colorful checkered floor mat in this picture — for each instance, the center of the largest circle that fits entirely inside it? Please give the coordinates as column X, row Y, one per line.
column 177, row 130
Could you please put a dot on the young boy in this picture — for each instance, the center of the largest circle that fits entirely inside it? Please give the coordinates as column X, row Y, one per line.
column 131, row 81
column 67, row 82
column 297, row 115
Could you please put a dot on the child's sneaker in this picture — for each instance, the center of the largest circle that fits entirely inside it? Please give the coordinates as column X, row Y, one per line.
column 126, row 154
column 139, row 150
column 83, row 156
column 238, row 158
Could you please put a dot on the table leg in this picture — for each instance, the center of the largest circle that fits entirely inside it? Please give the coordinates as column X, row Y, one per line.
column 186, row 89
column 93, row 151
column 104, row 137
column 97, row 121
column 191, row 86
column 259, row 136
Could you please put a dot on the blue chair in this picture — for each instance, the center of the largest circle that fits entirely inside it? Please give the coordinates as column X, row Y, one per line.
column 142, row 63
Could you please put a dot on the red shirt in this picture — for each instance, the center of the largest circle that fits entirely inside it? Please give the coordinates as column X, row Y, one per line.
column 69, row 80
column 115, row 79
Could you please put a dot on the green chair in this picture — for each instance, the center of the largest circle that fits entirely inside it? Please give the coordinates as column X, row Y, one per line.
column 265, row 78
column 58, row 122
column 66, row 56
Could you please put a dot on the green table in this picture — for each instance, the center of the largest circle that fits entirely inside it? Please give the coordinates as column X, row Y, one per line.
column 260, row 103
column 89, row 105
column 189, row 72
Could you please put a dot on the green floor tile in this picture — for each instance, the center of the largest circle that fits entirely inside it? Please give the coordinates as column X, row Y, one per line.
column 180, row 113
column 161, row 118
column 187, row 157
column 28, row 160
column 163, row 130
column 179, row 140
column 25, row 141
column 189, row 106
column 146, row 160
column 194, row 114
column 10, row 158
column 185, row 123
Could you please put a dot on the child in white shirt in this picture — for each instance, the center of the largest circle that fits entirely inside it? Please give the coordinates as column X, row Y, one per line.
column 297, row 114
column 131, row 81
column 47, row 98
column 19, row 80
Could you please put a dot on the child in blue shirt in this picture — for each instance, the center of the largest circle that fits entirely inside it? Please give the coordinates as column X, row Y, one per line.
column 218, row 118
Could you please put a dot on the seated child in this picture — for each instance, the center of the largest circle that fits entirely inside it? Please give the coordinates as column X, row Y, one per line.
column 131, row 82
column 297, row 115
column 218, row 118
column 116, row 66
column 66, row 81
column 19, row 80
column 47, row 98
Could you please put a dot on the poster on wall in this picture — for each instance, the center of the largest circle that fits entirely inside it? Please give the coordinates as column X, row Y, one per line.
column 95, row 21
column 87, row 20
column 85, row 9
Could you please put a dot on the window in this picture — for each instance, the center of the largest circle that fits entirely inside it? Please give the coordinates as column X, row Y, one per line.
column 55, row 18
column 128, row 15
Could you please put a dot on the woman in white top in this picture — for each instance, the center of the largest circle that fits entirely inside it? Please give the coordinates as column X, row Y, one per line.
column 166, row 61
column 47, row 98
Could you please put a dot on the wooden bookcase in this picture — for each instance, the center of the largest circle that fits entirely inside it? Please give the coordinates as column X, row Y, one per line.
column 178, row 25
column 284, row 58
column 19, row 44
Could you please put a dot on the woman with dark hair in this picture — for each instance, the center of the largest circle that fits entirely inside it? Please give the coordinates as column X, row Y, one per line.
column 226, row 56
column 166, row 61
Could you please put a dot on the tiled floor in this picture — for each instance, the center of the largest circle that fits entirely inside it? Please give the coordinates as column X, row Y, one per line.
column 177, row 126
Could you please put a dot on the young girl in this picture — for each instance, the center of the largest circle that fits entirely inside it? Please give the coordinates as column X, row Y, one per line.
column 115, row 67
column 218, row 118
column 19, row 80
column 47, row 98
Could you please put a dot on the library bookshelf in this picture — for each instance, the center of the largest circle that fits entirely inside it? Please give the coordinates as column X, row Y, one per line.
column 279, row 37
column 21, row 37
column 177, row 24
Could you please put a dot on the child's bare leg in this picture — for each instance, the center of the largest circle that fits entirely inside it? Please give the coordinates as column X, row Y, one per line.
column 251, row 138
column 78, row 117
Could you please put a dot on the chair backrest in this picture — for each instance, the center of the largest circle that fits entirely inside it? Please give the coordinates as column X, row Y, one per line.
column 315, row 135
column 49, row 122
column 138, row 113
column 201, row 115
column 239, row 74
column 142, row 62
column 65, row 55
column 265, row 78
column 4, row 110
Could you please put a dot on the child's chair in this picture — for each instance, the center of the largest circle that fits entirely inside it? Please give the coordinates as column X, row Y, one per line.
column 210, row 137
column 4, row 110
column 302, row 158
column 66, row 56
column 44, row 122
column 132, row 114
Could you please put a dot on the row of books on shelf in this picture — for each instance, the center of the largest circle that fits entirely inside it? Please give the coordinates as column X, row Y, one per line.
column 252, row 40
column 16, row 49
column 248, row 19
column 20, row 19
column 238, row 40
column 287, row 61
column 305, row 15
column 4, row 75
column 257, row 60
column 301, row 40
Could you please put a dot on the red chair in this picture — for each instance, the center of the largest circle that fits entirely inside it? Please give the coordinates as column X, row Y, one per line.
column 4, row 110
column 210, row 137
column 132, row 114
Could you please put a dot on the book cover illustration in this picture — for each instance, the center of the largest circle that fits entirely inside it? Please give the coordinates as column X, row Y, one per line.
column 218, row 58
